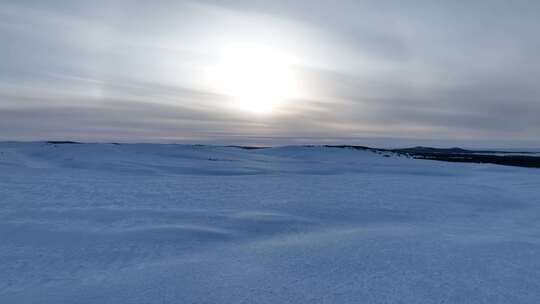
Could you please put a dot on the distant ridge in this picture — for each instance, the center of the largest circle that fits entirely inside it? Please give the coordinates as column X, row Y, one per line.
column 63, row 142
column 421, row 149
column 454, row 154
column 459, row 155
column 247, row 147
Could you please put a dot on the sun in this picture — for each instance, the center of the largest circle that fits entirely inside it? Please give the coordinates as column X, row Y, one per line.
column 258, row 79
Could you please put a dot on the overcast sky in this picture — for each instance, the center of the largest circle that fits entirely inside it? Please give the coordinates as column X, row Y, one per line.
column 369, row 72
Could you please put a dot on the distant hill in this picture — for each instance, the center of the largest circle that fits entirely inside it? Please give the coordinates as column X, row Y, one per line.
column 455, row 154
column 63, row 142
column 421, row 149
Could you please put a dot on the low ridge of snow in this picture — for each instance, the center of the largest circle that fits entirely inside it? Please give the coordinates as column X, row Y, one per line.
column 143, row 223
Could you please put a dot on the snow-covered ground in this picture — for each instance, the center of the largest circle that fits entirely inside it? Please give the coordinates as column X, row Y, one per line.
column 103, row 223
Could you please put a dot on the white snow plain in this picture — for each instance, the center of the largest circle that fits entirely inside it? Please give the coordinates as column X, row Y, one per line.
column 142, row 223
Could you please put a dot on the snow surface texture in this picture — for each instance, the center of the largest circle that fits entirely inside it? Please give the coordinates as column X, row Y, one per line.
column 104, row 223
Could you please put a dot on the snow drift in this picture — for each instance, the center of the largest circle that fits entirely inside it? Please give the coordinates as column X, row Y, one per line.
column 141, row 223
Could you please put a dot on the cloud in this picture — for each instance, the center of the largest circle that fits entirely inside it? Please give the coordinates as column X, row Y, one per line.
column 134, row 70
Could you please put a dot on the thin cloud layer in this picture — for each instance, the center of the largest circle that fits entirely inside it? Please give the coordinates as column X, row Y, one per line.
column 369, row 71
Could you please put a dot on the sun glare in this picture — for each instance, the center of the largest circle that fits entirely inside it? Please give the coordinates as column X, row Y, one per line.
column 258, row 79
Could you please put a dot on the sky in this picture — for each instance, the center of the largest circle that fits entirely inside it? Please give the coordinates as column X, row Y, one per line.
column 382, row 73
